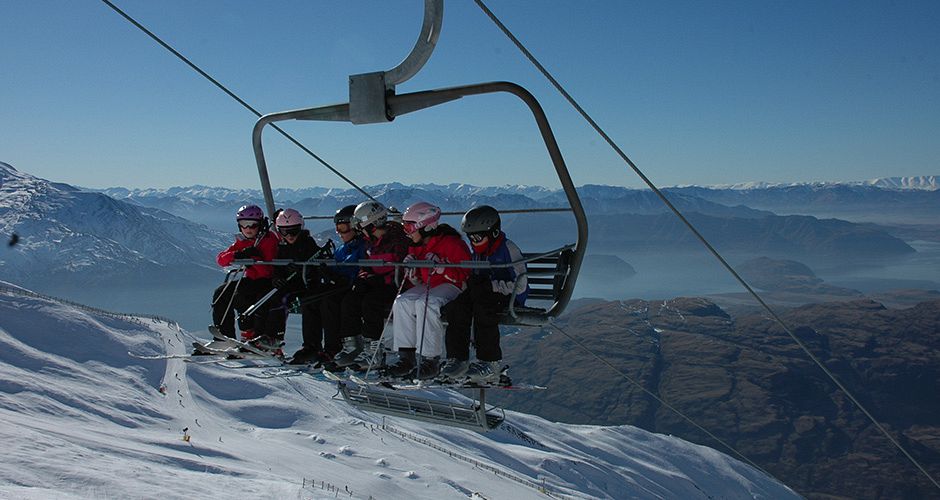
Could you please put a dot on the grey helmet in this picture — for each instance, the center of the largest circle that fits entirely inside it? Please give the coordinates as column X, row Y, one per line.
column 370, row 212
column 482, row 219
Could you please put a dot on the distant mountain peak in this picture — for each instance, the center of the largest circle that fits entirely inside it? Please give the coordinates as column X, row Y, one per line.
column 923, row 182
column 918, row 182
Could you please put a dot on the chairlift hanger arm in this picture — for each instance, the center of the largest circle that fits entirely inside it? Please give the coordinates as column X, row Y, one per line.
column 424, row 45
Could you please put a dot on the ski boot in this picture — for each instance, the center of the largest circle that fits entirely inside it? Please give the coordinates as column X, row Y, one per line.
column 352, row 346
column 484, row 372
column 269, row 344
column 404, row 366
column 304, row 356
column 372, row 356
column 454, row 371
column 429, row 369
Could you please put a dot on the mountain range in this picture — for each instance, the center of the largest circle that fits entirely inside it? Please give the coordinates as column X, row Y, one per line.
column 68, row 234
column 878, row 202
column 737, row 220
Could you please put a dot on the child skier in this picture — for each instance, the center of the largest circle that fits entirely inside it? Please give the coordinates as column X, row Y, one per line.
column 487, row 295
column 293, row 281
column 256, row 243
column 367, row 304
column 336, row 281
column 417, row 311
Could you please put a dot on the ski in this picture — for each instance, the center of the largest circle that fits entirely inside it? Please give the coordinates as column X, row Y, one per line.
column 288, row 371
column 417, row 385
column 241, row 345
column 159, row 356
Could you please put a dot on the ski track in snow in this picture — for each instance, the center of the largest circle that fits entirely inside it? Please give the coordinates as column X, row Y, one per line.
column 81, row 418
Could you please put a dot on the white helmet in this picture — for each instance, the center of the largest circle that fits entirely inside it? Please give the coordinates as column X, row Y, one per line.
column 370, row 212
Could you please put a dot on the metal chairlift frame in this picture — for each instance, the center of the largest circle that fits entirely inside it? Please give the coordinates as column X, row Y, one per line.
column 406, row 103
column 372, row 99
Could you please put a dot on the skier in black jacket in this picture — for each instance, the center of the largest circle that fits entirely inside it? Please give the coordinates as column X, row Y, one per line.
column 293, row 281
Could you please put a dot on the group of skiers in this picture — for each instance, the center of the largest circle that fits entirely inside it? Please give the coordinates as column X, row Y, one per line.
column 346, row 306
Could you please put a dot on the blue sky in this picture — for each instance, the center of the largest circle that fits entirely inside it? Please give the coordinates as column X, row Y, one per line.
column 695, row 92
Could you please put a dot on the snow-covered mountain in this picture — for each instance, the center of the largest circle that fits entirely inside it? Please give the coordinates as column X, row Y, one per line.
column 67, row 233
column 919, row 182
column 81, row 418
column 923, row 182
column 215, row 206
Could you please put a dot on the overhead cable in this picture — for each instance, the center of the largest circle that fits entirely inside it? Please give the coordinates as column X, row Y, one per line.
column 698, row 235
column 233, row 95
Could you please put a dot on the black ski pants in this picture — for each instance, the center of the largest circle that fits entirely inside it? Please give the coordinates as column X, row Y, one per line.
column 477, row 306
column 330, row 312
column 239, row 296
column 321, row 318
column 311, row 324
column 365, row 307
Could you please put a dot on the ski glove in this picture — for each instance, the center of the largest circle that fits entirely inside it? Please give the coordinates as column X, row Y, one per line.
column 503, row 287
column 410, row 273
column 247, row 253
column 432, row 257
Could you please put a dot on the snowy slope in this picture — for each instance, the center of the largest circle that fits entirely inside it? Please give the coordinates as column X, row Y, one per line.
column 80, row 418
column 66, row 231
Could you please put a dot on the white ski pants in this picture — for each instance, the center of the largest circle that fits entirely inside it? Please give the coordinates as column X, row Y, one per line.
column 409, row 314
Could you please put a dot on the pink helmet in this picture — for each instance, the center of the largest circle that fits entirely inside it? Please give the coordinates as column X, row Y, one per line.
column 250, row 212
column 421, row 215
column 290, row 217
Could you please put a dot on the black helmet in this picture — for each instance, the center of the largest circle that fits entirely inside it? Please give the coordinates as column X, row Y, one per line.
column 344, row 215
column 482, row 219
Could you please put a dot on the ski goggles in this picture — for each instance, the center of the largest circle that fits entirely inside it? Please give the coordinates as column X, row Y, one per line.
column 409, row 227
column 289, row 230
column 249, row 224
column 477, row 237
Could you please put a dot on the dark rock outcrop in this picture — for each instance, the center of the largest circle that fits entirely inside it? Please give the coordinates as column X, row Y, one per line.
column 746, row 381
column 783, row 275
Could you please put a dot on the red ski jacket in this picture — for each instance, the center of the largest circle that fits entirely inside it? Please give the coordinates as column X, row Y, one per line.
column 445, row 245
column 391, row 247
column 267, row 246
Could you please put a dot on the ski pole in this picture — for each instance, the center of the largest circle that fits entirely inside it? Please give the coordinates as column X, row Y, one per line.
column 427, row 296
column 228, row 281
column 251, row 310
column 230, row 301
column 382, row 336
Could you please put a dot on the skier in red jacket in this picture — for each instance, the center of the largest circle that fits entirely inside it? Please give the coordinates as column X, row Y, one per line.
column 252, row 242
column 417, row 311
